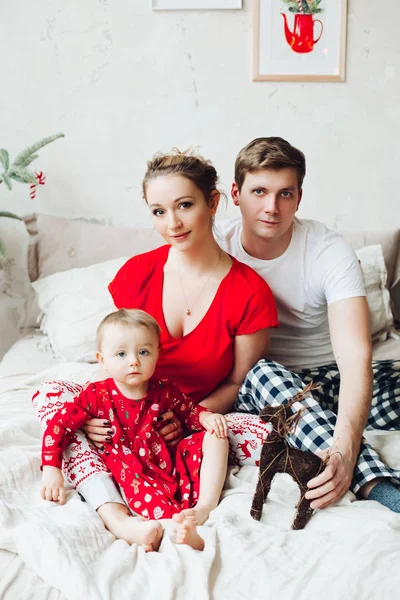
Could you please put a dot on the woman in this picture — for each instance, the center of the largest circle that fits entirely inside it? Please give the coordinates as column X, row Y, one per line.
column 214, row 312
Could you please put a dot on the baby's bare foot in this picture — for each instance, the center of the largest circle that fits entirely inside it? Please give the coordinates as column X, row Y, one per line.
column 200, row 513
column 149, row 534
column 133, row 530
column 186, row 532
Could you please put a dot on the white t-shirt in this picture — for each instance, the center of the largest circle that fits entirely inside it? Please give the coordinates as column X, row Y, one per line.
column 317, row 269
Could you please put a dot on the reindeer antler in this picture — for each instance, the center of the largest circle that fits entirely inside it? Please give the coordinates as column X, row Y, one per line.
column 293, row 421
column 303, row 393
column 284, row 428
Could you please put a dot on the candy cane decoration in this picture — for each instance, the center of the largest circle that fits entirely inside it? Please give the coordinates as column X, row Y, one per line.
column 41, row 179
column 299, row 2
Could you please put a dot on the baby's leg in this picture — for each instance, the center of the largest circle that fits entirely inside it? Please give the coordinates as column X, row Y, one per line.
column 186, row 532
column 212, row 477
column 83, row 466
column 132, row 529
column 81, row 461
column 51, row 396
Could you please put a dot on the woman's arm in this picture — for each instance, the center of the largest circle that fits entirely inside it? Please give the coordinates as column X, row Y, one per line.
column 248, row 349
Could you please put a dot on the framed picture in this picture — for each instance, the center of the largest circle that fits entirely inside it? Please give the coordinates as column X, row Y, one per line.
column 195, row 4
column 299, row 40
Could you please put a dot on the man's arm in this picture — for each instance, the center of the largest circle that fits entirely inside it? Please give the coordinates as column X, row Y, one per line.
column 349, row 326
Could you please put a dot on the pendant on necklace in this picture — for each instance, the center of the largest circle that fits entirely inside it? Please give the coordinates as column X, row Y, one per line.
column 188, row 311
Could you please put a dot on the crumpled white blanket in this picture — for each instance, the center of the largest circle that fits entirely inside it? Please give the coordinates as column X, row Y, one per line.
column 350, row 550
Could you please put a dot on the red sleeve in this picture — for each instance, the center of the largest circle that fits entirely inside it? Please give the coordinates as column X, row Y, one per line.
column 136, row 276
column 260, row 311
column 67, row 420
column 121, row 287
column 187, row 411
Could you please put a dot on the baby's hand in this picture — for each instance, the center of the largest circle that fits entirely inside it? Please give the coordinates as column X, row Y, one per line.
column 52, row 487
column 214, row 423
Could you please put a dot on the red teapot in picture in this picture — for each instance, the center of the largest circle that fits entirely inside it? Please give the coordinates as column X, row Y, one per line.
column 301, row 39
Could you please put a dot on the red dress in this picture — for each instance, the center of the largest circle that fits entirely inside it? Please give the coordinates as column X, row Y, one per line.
column 157, row 483
column 199, row 361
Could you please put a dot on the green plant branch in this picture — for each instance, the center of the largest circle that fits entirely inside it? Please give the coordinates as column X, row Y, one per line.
column 5, row 213
column 17, row 170
column 310, row 7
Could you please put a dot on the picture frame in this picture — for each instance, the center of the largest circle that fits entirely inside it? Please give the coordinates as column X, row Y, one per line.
column 196, row 4
column 299, row 40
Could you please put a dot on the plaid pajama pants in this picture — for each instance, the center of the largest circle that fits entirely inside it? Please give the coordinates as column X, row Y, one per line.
column 271, row 383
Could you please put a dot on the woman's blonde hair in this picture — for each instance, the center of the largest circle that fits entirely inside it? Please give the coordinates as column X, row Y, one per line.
column 187, row 164
column 130, row 318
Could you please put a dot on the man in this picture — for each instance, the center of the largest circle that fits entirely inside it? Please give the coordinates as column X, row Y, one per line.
column 324, row 334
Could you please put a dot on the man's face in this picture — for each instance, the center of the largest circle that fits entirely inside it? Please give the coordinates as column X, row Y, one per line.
column 268, row 202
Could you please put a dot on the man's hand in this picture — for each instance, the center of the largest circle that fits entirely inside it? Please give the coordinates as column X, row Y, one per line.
column 214, row 423
column 335, row 480
column 52, row 485
column 170, row 428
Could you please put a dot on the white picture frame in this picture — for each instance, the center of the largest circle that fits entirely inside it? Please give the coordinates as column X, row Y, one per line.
column 286, row 42
column 196, row 4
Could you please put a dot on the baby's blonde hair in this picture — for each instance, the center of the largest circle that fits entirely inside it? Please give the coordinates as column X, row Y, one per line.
column 130, row 318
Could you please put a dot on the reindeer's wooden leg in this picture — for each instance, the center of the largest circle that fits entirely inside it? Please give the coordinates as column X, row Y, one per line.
column 303, row 466
column 261, row 493
column 303, row 513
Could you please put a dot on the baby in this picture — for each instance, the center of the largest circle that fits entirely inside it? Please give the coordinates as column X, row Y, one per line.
column 158, row 483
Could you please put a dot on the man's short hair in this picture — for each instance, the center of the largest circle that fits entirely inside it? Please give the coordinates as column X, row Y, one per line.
column 273, row 153
column 130, row 318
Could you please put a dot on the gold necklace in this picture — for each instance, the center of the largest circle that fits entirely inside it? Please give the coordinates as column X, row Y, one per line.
column 188, row 309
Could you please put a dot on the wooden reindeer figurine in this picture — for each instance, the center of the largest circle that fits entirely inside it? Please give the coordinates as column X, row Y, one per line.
column 278, row 457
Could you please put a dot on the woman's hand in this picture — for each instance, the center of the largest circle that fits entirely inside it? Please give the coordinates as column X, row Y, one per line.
column 170, row 428
column 98, row 431
column 52, row 485
column 214, row 423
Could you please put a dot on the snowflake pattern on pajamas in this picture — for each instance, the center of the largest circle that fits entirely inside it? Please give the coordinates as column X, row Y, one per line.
column 156, row 481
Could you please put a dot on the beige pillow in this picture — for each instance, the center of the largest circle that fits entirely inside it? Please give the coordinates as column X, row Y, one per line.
column 389, row 240
column 15, row 286
column 378, row 296
column 30, row 224
column 65, row 244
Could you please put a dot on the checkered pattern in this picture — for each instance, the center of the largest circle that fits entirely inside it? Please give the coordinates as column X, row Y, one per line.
column 271, row 383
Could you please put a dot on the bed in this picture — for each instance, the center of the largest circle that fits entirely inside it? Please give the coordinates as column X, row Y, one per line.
column 350, row 550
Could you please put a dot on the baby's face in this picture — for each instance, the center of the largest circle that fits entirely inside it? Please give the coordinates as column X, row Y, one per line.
column 129, row 353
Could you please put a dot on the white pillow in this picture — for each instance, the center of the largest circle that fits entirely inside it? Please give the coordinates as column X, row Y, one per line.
column 74, row 302
column 378, row 296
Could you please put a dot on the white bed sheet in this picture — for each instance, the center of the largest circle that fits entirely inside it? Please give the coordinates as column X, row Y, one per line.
column 351, row 550
column 19, row 582
column 29, row 355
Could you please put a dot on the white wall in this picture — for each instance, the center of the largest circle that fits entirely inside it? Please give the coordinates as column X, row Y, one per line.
column 123, row 82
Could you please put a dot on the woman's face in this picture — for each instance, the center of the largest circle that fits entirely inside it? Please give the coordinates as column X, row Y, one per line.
column 179, row 211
